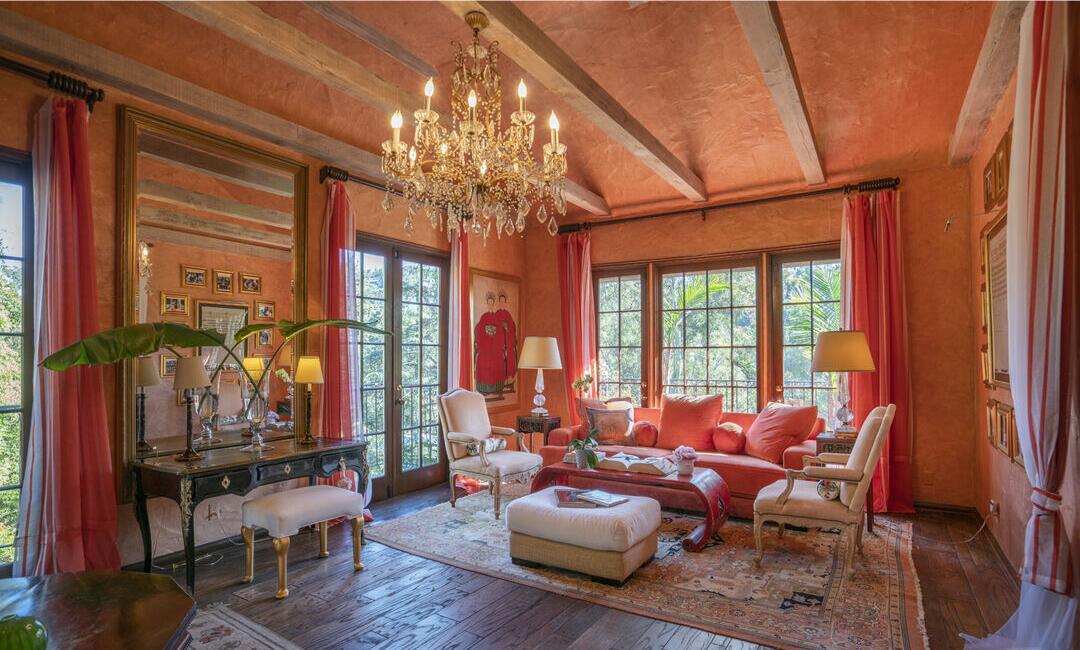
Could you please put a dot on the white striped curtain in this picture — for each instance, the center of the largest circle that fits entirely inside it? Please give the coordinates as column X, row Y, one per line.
column 1042, row 298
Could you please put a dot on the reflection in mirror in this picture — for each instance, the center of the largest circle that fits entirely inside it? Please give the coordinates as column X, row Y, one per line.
column 214, row 233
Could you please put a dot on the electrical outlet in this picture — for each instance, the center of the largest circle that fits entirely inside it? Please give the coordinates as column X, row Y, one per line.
column 213, row 511
column 995, row 511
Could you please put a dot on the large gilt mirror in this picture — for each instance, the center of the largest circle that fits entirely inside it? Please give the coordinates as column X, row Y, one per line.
column 213, row 236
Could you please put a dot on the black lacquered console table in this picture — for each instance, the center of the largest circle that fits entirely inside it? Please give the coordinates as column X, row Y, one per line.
column 231, row 471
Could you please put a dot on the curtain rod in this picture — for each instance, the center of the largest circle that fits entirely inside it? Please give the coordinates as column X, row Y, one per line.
column 865, row 186
column 58, row 81
column 339, row 174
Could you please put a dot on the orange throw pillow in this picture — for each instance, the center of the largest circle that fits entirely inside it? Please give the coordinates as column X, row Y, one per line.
column 777, row 428
column 645, row 434
column 729, row 438
column 689, row 420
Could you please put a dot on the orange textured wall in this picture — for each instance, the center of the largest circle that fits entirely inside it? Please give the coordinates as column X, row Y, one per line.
column 997, row 477
column 937, row 276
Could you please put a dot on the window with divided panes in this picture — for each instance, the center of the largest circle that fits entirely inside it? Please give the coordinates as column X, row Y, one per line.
column 620, row 336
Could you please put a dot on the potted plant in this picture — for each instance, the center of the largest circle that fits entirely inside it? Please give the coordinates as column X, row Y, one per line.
column 583, row 383
column 684, row 457
column 585, row 451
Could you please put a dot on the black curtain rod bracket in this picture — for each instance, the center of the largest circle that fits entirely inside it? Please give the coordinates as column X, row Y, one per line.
column 58, row 81
column 700, row 211
column 339, row 174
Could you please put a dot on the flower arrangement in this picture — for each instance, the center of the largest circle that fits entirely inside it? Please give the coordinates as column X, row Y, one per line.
column 682, row 452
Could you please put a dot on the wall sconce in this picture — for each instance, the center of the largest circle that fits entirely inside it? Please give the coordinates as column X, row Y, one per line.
column 145, row 266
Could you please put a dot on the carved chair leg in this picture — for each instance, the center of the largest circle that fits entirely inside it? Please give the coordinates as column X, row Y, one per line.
column 249, row 553
column 281, row 549
column 357, row 535
column 496, row 490
column 858, row 538
column 324, row 526
column 758, row 523
column 852, row 533
column 453, row 491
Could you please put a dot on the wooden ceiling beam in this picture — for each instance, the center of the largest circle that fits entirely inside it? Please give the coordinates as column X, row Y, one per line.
column 149, row 215
column 993, row 70
column 201, row 162
column 169, row 236
column 524, row 42
column 248, row 24
column 344, row 19
column 764, row 30
column 182, row 197
column 34, row 40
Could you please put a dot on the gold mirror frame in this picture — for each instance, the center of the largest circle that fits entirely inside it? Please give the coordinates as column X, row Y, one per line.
column 132, row 121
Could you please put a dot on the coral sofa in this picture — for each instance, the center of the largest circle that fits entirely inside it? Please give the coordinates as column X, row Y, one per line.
column 745, row 475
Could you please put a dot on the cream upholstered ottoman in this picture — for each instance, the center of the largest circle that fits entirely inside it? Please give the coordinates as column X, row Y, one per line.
column 607, row 544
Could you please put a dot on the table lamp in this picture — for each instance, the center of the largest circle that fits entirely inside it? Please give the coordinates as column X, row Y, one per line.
column 308, row 371
column 540, row 353
column 146, row 374
column 190, row 375
column 843, row 352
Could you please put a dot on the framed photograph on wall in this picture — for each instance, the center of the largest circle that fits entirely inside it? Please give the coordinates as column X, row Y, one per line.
column 496, row 334
column 984, row 357
column 250, row 283
column 989, row 198
column 997, row 297
column 223, row 282
column 991, row 418
column 193, row 276
column 168, row 365
column 175, row 304
column 264, row 310
column 1003, row 415
column 1014, row 441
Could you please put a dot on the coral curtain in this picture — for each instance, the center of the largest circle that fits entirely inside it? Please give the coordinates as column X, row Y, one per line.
column 873, row 301
column 459, row 362
column 67, row 510
column 578, row 314
column 1041, row 255
column 339, row 414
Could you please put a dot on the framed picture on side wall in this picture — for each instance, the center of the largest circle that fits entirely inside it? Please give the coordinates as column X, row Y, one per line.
column 1014, row 441
column 193, row 276
column 1003, row 423
column 175, row 304
column 496, row 317
column 996, row 306
column 250, row 283
column 991, row 418
column 224, row 282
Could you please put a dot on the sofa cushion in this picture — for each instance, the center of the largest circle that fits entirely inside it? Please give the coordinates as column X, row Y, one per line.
column 728, row 437
column 612, row 426
column 645, row 434
column 778, row 427
column 689, row 420
column 602, row 529
column 745, row 475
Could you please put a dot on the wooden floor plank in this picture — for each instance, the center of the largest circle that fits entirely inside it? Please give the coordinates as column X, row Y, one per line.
column 405, row 601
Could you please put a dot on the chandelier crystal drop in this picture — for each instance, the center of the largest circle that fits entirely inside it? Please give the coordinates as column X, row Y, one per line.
column 472, row 175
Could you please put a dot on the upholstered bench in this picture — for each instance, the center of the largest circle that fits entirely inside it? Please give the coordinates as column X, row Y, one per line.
column 282, row 514
column 608, row 544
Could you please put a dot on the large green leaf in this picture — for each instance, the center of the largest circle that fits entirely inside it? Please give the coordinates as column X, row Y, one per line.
column 129, row 342
column 290, row 328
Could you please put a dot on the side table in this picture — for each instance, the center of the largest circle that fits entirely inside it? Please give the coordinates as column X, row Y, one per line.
column 541, row 424
column 830, row 443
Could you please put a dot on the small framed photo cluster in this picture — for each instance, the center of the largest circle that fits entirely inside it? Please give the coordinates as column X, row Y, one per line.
column 996, row 173
column 220, row 281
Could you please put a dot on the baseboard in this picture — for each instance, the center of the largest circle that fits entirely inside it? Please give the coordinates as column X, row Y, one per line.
column 946, row 507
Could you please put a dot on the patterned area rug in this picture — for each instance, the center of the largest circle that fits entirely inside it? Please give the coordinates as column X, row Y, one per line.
column 797, row 599
column 219, row 628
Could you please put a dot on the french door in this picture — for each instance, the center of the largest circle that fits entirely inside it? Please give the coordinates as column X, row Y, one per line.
column 404, row 291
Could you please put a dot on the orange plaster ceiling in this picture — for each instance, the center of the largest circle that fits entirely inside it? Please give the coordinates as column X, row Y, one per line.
column 883, row 81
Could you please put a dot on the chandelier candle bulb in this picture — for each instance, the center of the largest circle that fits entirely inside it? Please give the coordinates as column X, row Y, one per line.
column 553, row 122
column 429, row 90
column 395, row 123
column 472, row 105
column 522, row 91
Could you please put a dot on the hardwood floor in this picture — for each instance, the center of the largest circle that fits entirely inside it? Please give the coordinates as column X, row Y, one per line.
column 403, row 601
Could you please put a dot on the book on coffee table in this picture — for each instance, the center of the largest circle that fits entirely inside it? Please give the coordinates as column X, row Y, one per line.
column 601, row 498
column 568, row 498
column 621, row 462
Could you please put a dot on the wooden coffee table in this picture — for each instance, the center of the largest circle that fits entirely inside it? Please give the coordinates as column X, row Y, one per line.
column 706, row 485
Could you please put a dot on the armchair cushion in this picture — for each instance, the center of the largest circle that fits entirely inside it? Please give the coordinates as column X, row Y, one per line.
column 465, row 412
column 500, row 463
column 803, row 501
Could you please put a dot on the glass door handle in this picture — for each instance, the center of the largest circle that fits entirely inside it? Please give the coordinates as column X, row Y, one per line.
column 399, row 400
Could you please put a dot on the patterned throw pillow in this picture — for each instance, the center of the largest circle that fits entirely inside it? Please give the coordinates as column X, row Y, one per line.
column 491, row 445
column 613, row 426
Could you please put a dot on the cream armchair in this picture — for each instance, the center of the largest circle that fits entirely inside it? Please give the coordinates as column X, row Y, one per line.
column 467, row 434
column 796, row 502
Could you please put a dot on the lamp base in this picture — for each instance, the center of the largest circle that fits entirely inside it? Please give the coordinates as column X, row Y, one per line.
column 539, row 411
column 308, row 439
column 189, row 455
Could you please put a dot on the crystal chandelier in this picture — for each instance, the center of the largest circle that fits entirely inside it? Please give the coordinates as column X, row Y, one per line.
column 474, row 175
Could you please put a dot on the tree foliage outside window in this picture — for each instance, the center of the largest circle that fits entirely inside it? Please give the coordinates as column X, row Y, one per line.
column 619, row 337
column 810, row 304
column 709, row 335
column 371, row 298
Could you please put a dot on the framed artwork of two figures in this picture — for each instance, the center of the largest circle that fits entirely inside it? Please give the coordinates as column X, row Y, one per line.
column 496, row 337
